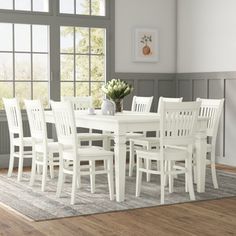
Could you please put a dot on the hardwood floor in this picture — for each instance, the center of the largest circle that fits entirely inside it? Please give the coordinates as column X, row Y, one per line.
column 214, row 217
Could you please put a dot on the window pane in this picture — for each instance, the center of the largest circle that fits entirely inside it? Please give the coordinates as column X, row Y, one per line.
column 40, row 91
column 41, row 67
column 67, row 39
column 23, row 91
column 6, row 37
column 6, row 66
column 97, row 68
column 40, row 38
column 67, row 67
column 22, row 66
column 82, row 7
column 82, row 89
column 6, row 4
column 98, row 41
column 6, row 91
column 98, row 7
column 82, row 40
column 82, row 68
column 67, row 89
column 22, row 37
column 24, row 5
column 67, row 6
column 97, row 94
column 40, row 5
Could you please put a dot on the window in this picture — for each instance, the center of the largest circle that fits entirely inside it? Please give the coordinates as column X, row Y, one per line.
column 83, row 7
column 25, row 5
column 47, row 56
column 24, row 61
column 82, row 62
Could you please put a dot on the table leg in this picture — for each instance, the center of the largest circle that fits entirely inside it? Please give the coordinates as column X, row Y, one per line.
column 120, row 166
column 201, row 144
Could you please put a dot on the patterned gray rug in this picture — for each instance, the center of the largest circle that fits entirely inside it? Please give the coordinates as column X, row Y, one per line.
column 37, row 205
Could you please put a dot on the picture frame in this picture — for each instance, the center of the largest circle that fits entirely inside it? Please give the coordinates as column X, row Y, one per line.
column 145, row 45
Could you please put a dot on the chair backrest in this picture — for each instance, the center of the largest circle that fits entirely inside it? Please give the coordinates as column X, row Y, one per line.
column 36, row 118
column 64, row 117
column 212, row 109
column 166, row 99
column 83, row 102
column 178, row 123
column 14, row 117
column 70, row 99
column 141, row 104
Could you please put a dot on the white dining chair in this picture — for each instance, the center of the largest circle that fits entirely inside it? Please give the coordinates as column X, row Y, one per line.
column 212, row 109
column 177, row 129
column 71, row 152
column 83, row 103
column 147, row 142
column 43, row 148
column 17, row 139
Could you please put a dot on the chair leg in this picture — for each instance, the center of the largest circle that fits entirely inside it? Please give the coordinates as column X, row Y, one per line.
column 110, row 179
column 138, row 176
column 163, row 177
column 190, row 179
column 105, row 164
column 45, row 168
column 33, row 169
column 186, row 177
column 92, row 176
column 74, row 185
column 11, row 162
column 194, row 174
column 165, row 168
column 148, row 167
column 131, row 158
column 60, row 180
column 20, row 168
column 171, row 177
column 51, row 166
column 213, row 170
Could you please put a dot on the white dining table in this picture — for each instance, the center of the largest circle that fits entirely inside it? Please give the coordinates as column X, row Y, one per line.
column 128, row 121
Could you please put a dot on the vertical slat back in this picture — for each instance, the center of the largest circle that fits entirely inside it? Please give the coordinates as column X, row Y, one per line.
column 65, row 123
column 14, row 117
column 212, row 109
column 141, row 104
column 36, row 117
column 166, row 99
column 178, row 122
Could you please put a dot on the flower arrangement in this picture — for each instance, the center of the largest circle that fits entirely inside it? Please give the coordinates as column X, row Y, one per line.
column 116, row 90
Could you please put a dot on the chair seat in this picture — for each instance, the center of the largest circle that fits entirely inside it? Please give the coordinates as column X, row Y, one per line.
column 129, row 135
column 27, row 141
column 53, row 147
column 95, row 153
column 146, row 141
column 134, row 135
column 91, row 136
column 169, row 154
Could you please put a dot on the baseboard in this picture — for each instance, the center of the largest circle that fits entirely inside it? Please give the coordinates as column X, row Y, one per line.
column 226, row 161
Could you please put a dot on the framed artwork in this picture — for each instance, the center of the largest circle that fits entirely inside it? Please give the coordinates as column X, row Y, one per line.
column 146, row 48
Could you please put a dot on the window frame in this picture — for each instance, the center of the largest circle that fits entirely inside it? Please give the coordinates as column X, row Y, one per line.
column 55, row 20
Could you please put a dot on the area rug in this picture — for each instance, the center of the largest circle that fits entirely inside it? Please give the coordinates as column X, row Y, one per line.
column 38, row 206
